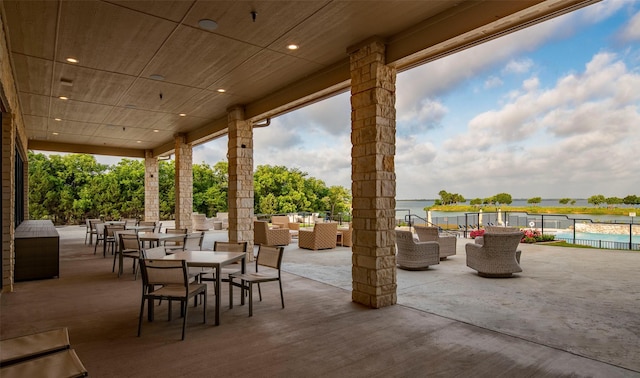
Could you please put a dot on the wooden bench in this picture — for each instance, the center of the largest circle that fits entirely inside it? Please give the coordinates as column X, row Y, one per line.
column 58, row 364
column 43, row 354
column 22, row 348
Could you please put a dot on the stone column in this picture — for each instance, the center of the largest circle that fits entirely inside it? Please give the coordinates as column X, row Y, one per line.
column 373, row 130
column 184, row 182
column 240, row 177
column 8, row 198
column 151, row 187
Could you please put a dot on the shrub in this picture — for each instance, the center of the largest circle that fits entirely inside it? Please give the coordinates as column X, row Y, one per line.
column 535, row 236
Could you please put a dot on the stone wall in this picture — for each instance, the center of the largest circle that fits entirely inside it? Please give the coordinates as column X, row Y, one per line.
column 615, row 229
column 241, row 194
column 184, row 182
column 151, row 188
column 373, row 176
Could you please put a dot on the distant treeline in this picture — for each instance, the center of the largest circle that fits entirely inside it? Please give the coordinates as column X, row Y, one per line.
column 70, row 188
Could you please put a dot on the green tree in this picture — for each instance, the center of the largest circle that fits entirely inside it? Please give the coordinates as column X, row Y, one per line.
column 476, row 202
column 534, row 200
column 564, row 201
column 503, row 199
column 612, row 201
column 447, row 198
column 631, row 200
column 337, row 200
column 596, row 200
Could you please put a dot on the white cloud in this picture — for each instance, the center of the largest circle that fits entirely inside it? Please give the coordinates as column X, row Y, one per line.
column 631, row 31
column 518, row 66
column 493, row 82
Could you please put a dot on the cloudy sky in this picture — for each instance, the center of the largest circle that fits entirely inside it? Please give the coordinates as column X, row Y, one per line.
column 550, row 111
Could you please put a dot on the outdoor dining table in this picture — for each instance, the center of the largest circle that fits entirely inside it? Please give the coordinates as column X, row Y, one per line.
column 211, row 259
column 140, row 228
column 156, row 237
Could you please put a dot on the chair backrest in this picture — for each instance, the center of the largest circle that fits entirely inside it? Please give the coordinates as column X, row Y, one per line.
column 130, row 222
column 501, row 242
column 230, row 246
column 269, row 256
column 100, row 227
column 193, row 241
column 129, row 241
column 280, row 220
column 154, row 253
column 500, row 229
column 164, row 272
column 321, row 229
column 427, row 233
column 175, row 231
column 404, row 240
column 111, row 228
column 260, row 231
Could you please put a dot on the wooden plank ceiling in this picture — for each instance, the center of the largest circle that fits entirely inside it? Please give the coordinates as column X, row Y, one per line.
column 115, row 105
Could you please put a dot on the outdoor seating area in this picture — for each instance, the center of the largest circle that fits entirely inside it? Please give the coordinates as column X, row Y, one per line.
column 472, row 315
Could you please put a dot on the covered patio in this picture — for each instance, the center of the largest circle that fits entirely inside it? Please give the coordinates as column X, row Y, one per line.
column 570, row 313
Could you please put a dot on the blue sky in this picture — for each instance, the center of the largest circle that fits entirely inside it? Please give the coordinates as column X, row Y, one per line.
column 550, row 111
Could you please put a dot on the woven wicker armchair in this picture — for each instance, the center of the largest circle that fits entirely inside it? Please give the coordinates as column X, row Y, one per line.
column 447, row 243
column 263, row 235
column 323, row 236
column 499, row 230
column 346, row 238
column 496, row 256
column 415, row 255
column 283, row 221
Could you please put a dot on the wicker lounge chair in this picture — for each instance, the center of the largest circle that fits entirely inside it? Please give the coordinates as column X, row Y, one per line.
column 323, row 236
column 496, row 256
column 415, row 255
column 447, row 243
column 263, row 235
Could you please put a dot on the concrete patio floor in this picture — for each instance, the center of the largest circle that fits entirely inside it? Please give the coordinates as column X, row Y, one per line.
column 571, row 312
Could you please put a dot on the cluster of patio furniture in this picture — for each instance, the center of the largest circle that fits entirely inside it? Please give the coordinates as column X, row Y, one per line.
column 493, row 254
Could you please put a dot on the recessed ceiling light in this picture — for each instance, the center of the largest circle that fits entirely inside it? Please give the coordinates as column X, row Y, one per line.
column 66, row 82
column 208, row 24
column 182, row 114
column 221, row 90
column 63, row 98
column 156, row 77
column 293, row 47
column 138, row 141
column 54, row 133
column 156, row 131
column 57, row 119
column 72, row 60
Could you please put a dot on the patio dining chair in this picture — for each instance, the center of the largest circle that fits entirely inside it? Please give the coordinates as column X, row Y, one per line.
column 172, row 244
column 190, row 242
column 129, row 247
column 210, row 274
column 169, row 279
column 91, row 229
column 110, row 239
column 269, row 257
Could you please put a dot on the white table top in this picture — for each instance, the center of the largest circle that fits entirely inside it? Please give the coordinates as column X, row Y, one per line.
column 158, row 236
column 207, row 258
